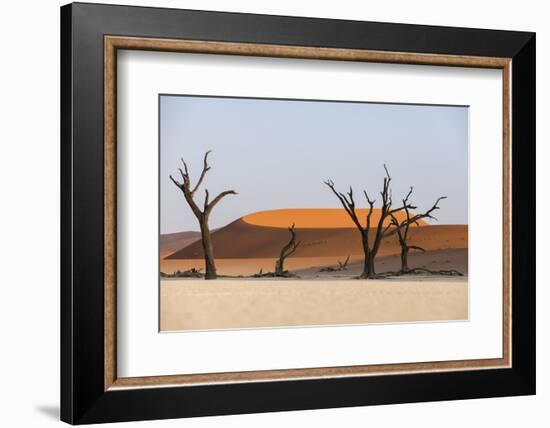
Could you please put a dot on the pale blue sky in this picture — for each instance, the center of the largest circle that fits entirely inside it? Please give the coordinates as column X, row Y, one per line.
column 277, row 153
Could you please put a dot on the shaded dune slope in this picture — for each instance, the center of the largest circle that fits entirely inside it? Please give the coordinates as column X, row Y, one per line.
column 171, row 242
column 240, row 239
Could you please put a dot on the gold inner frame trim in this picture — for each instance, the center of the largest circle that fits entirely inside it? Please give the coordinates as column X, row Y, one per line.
column 113, row 43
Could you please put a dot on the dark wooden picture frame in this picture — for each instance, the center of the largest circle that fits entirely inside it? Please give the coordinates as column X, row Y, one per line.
column 90, row 389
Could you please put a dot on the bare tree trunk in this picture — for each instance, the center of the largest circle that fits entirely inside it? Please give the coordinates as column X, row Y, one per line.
column 201, row 215
column 380, row 231
column 208, row 251
column 404, row 259
column 286, row 251
column 368, row 260
column 279, row 266
column 370, row 268
column 370, row 256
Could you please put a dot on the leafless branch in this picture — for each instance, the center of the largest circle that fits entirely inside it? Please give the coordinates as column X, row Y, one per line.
column 205, row 169
column 219, row 198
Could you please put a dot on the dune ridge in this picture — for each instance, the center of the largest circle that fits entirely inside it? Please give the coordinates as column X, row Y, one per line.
column 317, row 218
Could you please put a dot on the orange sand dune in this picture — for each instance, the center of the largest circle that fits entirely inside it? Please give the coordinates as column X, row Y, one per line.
column 319, row 218
column 242, row 240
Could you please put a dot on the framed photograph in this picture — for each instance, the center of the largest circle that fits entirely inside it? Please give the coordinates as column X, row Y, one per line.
column 265, row 213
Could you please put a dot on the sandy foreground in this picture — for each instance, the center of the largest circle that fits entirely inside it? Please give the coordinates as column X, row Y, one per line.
column 190, row 304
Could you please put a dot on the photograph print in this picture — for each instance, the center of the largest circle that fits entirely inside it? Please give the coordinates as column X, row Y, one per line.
column 293, row 213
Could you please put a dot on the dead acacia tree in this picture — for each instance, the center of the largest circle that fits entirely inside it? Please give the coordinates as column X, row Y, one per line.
column 203, row 214
column 402, row 228
column 286, row 251
column 370, row 246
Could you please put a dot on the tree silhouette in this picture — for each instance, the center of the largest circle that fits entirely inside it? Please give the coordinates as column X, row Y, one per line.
column 202, row 215
column 370, row 246
column 402, row 228
column 286, row 251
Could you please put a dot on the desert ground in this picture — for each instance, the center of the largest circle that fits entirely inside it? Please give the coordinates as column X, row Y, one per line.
column 234, row 304
column 252, row 244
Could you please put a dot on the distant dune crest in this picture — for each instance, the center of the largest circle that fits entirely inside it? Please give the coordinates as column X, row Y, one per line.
column 316, row 218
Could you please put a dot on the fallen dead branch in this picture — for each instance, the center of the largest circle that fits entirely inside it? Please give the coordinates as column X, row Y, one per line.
column 341, row 266
column 419, row 271
column 283, row 274
column 190, row 273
